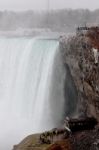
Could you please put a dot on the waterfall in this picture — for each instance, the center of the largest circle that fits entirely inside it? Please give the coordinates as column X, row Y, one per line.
column 36, row 89
column 27, row 102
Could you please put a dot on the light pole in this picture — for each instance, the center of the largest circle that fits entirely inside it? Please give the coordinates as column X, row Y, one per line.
column 48, row 11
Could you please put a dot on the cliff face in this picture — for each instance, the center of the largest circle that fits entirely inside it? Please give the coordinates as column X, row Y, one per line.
column 78, row 53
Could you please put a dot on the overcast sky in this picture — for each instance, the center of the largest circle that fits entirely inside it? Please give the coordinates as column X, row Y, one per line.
column 43, row 4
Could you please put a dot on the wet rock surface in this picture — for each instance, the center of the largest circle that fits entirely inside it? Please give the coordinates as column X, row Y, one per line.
column 78, row 53
column 86, row 140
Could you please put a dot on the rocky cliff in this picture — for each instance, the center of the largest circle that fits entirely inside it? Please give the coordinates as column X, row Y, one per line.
column 81, row 53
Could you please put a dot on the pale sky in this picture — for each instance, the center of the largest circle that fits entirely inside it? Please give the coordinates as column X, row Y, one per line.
column 43, row 4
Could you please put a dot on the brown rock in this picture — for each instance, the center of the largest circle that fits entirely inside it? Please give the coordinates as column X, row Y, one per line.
column 61, row 145
column 87, row 88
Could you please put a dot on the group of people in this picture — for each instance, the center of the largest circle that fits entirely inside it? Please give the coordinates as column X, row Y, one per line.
column 49, row 136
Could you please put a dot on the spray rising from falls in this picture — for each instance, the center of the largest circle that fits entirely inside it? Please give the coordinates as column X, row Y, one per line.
column 26, row 98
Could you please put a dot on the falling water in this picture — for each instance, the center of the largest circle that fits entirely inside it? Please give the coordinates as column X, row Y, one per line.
column 26, row 98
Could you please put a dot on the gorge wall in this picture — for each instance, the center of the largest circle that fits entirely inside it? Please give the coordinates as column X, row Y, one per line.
column 79, row 55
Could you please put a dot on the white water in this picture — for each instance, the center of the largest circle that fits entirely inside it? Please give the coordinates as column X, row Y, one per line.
column 26, row 70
